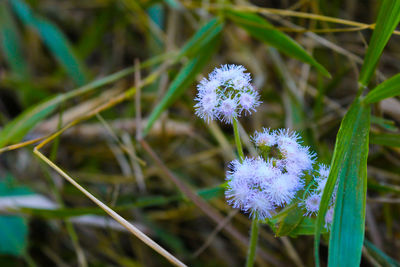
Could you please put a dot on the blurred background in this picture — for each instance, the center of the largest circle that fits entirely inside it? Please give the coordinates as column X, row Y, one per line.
column 113, row 68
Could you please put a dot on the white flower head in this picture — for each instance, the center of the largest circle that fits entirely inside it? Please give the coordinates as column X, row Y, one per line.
column 329, row 217
column 228, row 109
column 280, row 191
column 284, row 148
column 321, row 181
column 265, row 170
column 323, row 171
column 206, row 107
column 287, row 138
column 258, row 187
column 311, row 203
column 266, row 138
column 226, row 94
column 246, row 186
column 259, row 206
column 249, row 101
column 300, row 160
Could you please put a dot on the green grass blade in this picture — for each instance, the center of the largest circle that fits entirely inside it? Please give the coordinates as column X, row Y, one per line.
column 388, row 19
column 11, row 42
column 262, row 30
column 380, row 256
column 386, row 124
column 349, row 165
column 385, row 139
column 389, row 88
column 183, row 79
column 15, row 130
column 54, row 39
column 201, row 38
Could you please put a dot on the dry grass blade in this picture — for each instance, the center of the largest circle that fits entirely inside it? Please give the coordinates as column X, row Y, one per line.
column 148, row 241
column 217, row 229
column 204, row 206
column 286, row 13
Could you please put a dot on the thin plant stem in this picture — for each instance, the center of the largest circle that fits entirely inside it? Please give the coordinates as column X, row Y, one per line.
column 237, row 140
column 251, row 253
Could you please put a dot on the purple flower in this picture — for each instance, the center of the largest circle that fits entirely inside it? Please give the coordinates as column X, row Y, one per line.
column 226, row 94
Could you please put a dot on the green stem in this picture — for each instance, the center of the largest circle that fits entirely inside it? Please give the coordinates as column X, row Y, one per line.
column 251, row 253
column 237, row 140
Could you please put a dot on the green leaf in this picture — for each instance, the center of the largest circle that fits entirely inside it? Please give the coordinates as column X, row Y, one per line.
column 306, row 227
column 388, row 19
column 54, row 39
column 13, row 229
column 262, row 30
column 389, row 88
column 13, row 235
column 183, row 79
column 15, row 130
column 290, row 221
column 380, row 256
column 385, row 139
column 11, row 42
column 383, row 187
column 384, row 123
column 201, row 38
column 349, row 165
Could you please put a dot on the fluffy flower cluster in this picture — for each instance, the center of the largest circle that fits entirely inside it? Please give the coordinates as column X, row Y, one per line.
column 285, row 148
column 226, row 94
column 261, row 185
column 311, row 203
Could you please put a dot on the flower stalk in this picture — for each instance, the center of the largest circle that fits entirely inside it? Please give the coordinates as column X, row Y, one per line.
column 251, row 253
column 237, row 140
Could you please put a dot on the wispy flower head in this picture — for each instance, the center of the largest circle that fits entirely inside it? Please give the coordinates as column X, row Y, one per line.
column 273, row 179
column 258, row 187
column 311, row 203
column 286, row 149
column 329, row 217
column 226, row 94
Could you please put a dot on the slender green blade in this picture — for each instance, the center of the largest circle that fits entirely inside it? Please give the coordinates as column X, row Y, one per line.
column 201, row 38
column 260, row 29
column 383, row 187
column 54, row 39
column 388, row 19
column 183, row 79
column 389, row 88
column 380, row 256
column 385, row 139
column 11, row 42
column 15, row 130
column 349, row 165
column 386, row 124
